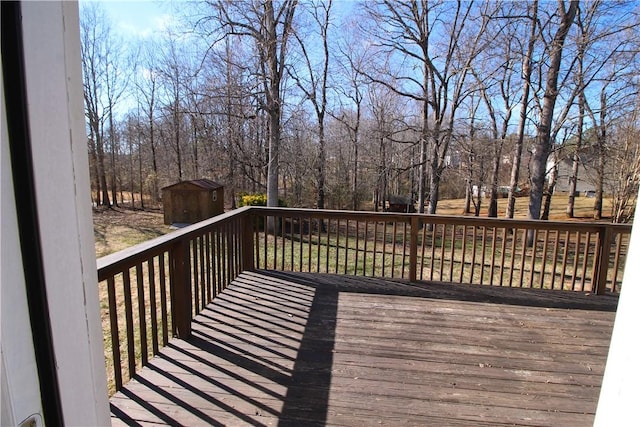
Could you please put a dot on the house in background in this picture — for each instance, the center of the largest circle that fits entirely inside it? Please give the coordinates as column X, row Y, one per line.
column 188, row 202
column 587, row 178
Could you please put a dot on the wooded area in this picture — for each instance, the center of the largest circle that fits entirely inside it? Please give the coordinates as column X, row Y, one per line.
column 339, row 104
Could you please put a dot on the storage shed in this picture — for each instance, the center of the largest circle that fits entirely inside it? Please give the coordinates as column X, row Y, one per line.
column 192, row 201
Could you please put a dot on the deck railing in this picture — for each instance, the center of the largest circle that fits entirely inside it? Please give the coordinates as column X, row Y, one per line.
column 174, row 276
column 152, row 291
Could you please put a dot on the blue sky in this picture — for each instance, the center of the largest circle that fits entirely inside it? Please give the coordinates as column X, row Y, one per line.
column 138, row 18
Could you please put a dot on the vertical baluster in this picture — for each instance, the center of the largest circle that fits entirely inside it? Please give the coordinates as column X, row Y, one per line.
column 153, row 308
column 452, row 254
column 163, row 300
column 543, row 267
column 565, row 255
column 434, row 231
column 115, row 335
column 194, row 278
column 616, row 262
column 473, row 254
column 229, row 255
column 422, row 244
column 443, row 241
column 393, row 253
column 345, row 243
column 128, row 310
column 142, row 317
column 318, row 243
column 585, row 259
column 483, row 255
column 237, row 235
column 523, row 256
column 413, row 249
column 375, row 248
column 365, row 239
column 503, row 248
column 555, row 259
column 256, row 240
column 338, row 231
column 300, row 241
column 309, row 245
column 494, row 238
column 207, row 244
column 576, row 257
column 357, row 249
column 202, row 271
column 291, row 237
column 265, row 243
column 464, row 254
column 219, row 265
column 384, row 247
column 514, row 239
column 533, row 256
column 284, row 245
column 326, row 269
column 406, row 240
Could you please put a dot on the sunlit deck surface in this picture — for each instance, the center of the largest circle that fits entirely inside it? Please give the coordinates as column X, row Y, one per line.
column 310, row 349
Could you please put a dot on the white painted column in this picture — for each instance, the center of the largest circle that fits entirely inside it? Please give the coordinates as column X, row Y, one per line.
column 59, row 141
column 620, row 392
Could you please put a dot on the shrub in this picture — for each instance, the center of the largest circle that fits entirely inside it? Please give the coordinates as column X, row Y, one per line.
column 253, row 200
column 257, row 199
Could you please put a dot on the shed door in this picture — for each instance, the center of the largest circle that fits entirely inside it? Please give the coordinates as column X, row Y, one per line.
column 185, row 206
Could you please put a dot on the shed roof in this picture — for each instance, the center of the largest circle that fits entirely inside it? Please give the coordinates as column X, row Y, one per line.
column 205, row 184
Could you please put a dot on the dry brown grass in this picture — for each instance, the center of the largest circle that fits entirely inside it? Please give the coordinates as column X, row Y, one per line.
column 118, row 228
column 583, row 210
column 115, row 229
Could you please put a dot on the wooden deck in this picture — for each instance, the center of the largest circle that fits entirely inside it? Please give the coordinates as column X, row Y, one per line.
column 306, row 349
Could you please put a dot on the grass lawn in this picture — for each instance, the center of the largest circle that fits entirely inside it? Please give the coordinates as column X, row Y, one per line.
column 119, row 228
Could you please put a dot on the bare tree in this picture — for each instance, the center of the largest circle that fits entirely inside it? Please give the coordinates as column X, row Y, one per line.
column 269, row 24
column 604, row 55
column 527, row 66
column 96, row 55
column 495, row 81
column 626, row 157
column 313, row 84
column 147, row 91
column 407, row 36
column 543, row 142
column 351, row 95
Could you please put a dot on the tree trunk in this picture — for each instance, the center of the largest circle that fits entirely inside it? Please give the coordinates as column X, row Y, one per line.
column 553, row 179
column 526, row 77
column 543, row 141
column 322, row 160
column 575, row 164
column 495, row 171
column 467, row 197
column 597, row 203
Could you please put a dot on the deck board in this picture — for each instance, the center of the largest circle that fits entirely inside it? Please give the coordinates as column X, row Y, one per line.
column 307, row 349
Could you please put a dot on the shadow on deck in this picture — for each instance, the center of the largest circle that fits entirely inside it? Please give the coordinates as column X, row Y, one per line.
column 310, row 349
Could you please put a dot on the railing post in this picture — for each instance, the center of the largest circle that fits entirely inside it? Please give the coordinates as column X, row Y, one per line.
column 603, row 253
column 413, row 250
column 180, row 283
column 247, row 242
